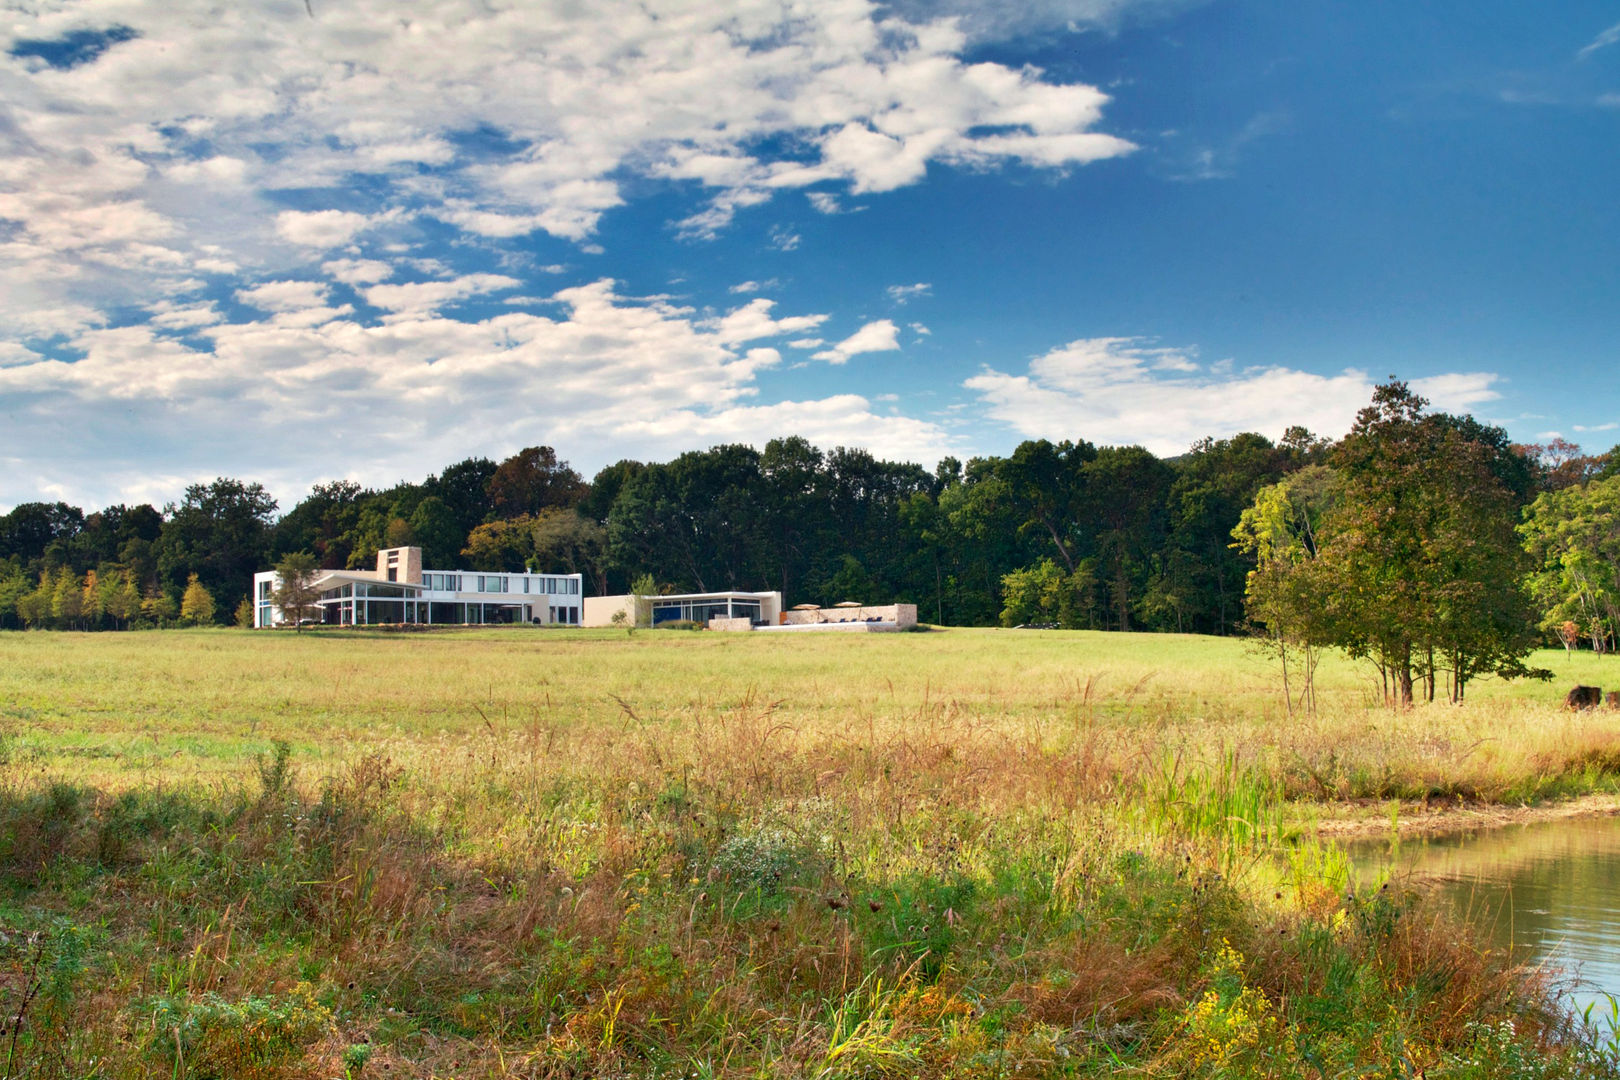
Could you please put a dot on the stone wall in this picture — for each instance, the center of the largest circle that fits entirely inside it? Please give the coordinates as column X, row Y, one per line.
column 719, row 623
column 899, row 614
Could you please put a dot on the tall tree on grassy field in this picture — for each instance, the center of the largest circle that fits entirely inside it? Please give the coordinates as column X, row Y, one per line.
column 197, row 603
column 124, row 603
column 158, row 607
column 1421, row 564
column 1286, row 594
column 295, row 593
column 93, row 600
column 67, row 599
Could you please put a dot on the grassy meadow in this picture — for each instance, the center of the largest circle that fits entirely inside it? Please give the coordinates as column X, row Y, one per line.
column 547, row 853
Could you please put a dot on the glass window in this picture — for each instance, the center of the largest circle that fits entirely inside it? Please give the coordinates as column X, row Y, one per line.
column 573, row 588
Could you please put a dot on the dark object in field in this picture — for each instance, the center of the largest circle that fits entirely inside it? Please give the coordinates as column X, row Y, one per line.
column 1612, row 699
column 1584, row 697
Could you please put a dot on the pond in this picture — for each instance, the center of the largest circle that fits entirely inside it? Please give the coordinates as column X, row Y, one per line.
column 1552, row 888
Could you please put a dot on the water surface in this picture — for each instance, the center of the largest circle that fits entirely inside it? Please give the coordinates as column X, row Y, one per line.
column 1551, row 888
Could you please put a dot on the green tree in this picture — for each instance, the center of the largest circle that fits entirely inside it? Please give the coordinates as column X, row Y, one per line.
column 67, row 599
column 1125, row 499
column 92, row 600
column 1286, row 593
column 197, row 603
column 34, row 607
column 506, row 546
column 1426, row 569
column 1047, row 593
column 14, row 585
column 642, row 590
column 437, row 533
column 564, row 541
column 125, row 602
column 295, row 593
column 158, row 607
column 220, row 532
column 533, row 480
column 1573, row 537
column 244, row 614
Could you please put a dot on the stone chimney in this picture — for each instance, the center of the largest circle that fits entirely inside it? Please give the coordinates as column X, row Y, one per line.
column 400, row 564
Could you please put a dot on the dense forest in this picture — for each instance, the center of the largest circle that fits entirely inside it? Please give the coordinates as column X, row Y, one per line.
column 1065, row 533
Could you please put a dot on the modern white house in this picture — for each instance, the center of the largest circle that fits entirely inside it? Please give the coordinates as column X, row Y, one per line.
column 750, row 611
column 400, row 591
column 756, row 607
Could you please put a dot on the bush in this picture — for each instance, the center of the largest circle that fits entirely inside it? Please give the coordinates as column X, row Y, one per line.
column 241, row 1040
column 763, row 859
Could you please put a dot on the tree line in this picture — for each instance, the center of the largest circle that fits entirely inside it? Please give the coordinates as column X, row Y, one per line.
column 1062, row 533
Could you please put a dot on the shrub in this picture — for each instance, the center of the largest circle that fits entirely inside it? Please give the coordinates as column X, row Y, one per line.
column 237, row 1040
column 763, row 859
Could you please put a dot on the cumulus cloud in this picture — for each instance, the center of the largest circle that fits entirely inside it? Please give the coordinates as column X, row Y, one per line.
column 899, row 294
column 205, row 154
column 319, row 228
column 404, row 396
column 181, row 133
column 879, row 336
column 1131, row 391
column 284, row 295
column 422, row 297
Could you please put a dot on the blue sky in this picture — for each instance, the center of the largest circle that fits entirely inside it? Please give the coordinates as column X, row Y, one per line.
column 362, row 240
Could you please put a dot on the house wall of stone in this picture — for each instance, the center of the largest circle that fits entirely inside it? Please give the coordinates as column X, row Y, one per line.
column 899, row 614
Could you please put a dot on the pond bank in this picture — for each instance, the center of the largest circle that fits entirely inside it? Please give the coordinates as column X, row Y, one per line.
column 1371, row 818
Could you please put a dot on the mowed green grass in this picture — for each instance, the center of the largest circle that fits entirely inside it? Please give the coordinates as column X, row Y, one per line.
column 118, row 709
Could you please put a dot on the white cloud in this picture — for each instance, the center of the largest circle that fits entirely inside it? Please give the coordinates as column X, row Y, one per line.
column 284, row 295
column 1129, row 391
column 879, row 336
column 11, row 353
column 581, row 104
column 1602, row 41
column 602, row 376
column 744, row 287
column 423, row 297
column 899, row 294
column 1597, row 427
column 825, row 202
column 358, row 271
column 172, row 316
column 319, row 228
column 1456, row 393
column 753, row 321
column 920, row 330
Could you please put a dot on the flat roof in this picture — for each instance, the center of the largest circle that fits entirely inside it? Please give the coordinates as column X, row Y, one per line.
column 712, row 596
column 358, row 577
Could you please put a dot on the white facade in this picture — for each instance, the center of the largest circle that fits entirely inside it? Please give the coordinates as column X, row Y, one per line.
column 398, row 592
column 755, row 607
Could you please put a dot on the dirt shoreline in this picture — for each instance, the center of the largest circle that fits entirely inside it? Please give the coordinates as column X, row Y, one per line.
column 1418, row 819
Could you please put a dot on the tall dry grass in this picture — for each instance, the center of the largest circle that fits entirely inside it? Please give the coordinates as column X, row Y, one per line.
column 688, row 855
